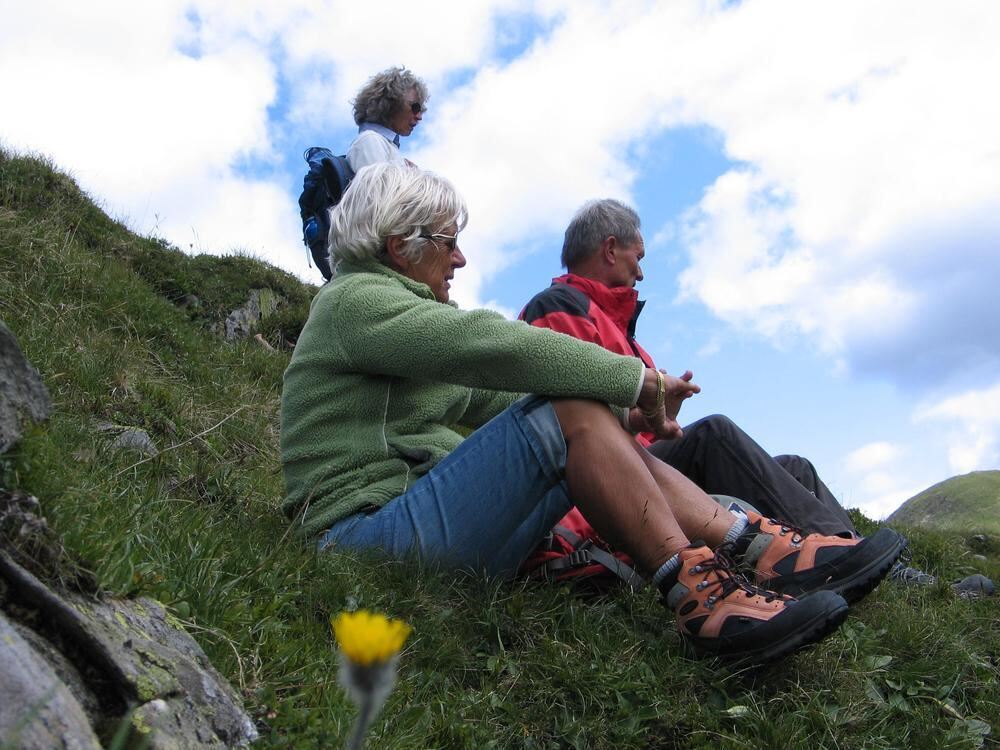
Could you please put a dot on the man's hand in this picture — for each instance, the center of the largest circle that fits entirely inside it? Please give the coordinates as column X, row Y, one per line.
column 677, row 390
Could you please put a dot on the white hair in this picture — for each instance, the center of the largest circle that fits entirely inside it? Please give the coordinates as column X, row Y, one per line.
column 391, row 199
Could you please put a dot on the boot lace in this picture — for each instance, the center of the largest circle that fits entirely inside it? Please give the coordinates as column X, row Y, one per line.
column 728, row 579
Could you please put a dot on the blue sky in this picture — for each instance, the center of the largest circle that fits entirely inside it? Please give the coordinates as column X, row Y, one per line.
column 819, row 182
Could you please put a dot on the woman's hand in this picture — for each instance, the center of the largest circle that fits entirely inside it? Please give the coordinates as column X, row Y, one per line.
column 656, row 412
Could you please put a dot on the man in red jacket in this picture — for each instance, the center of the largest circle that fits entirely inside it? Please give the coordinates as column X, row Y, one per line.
column 597, row 301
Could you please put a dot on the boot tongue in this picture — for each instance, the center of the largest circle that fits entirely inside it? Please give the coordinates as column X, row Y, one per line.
column 750, row 545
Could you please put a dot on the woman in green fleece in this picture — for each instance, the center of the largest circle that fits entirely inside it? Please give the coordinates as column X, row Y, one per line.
column 387, row 366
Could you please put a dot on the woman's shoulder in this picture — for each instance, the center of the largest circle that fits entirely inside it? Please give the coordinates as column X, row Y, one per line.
column 365, row 136
column 362, row 283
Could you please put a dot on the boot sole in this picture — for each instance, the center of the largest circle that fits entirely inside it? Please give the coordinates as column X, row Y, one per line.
column 843, row 577
column 814, row 629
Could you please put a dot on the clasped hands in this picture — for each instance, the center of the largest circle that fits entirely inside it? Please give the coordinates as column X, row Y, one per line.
column 660, row 400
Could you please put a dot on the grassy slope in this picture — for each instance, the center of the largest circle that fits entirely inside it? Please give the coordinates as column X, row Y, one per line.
column 489, row 665
column 963, row 503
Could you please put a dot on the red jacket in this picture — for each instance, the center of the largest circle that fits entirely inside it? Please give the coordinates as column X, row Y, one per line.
column 589, row 310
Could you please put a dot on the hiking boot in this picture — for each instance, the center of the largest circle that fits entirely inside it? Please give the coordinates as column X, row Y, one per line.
column 974, row 586
column 970, row 587
column 785, row 559
column 720, row 614
column 903, row 573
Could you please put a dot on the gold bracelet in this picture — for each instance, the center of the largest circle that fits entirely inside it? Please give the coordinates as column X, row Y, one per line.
column 661, row 394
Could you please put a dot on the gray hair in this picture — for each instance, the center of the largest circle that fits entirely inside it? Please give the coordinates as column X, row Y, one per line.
column 385, row 93
column 388, row 199
column 594, row 223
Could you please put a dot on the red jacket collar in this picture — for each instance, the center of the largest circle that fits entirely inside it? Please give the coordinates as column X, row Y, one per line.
column 618, row 303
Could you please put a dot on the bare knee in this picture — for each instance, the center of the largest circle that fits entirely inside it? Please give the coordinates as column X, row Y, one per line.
column 581, row 418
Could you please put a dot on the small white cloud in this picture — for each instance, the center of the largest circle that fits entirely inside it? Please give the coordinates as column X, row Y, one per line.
column 710, row 348
column 664, row 235
column 871, row 457
column 878, row 502
column 878, row 478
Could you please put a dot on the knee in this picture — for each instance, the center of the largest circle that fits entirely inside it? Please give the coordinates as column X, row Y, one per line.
column 716, row 425
column 580, row 418
column 795, row 465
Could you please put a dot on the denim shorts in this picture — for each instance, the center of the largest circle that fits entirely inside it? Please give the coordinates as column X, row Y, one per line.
column 485, row 507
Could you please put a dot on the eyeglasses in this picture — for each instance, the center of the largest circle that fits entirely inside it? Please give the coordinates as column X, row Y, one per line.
column 450, row 241
column 417, row 107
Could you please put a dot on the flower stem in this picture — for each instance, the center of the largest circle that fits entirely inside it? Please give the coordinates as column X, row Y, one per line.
column 365, row 715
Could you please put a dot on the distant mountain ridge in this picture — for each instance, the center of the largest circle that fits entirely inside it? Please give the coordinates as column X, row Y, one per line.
column 965, row 503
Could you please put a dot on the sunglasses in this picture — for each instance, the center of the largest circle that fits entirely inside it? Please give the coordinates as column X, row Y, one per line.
column 450, row 241
column 417, row 107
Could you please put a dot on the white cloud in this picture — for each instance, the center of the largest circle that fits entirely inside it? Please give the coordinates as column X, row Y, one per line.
column 884, row 474
column 879, row 480
column 873, row 186
column 861, row 213
column 871, row 457
column 973, row 427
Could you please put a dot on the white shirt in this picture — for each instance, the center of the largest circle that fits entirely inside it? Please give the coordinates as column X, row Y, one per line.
column 374, row 144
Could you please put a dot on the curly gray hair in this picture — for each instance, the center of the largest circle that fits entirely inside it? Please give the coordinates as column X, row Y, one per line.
column 385, row 93
column 594, row 223
column 391, row 199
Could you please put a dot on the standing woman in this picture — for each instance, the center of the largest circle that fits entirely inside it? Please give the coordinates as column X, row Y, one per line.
column 390, row 105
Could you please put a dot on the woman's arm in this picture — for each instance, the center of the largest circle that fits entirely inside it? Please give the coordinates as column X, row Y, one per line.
column 385, row 329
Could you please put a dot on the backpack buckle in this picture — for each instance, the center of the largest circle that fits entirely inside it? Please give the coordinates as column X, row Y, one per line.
column 579, row 557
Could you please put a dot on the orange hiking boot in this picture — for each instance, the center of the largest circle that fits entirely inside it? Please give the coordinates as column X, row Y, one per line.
column 720, row 614
column 785, row 559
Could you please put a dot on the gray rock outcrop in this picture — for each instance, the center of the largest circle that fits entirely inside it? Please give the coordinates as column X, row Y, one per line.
column 76, row 663
column 23, row 395
column 243, row 321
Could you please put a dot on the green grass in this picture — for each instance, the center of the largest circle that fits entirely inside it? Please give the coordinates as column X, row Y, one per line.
column 105, row 316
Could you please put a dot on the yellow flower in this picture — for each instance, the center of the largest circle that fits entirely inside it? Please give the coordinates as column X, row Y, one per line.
column 367, row 638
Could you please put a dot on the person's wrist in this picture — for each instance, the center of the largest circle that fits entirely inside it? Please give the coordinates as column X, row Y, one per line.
column 647, row 392
column 659, row 397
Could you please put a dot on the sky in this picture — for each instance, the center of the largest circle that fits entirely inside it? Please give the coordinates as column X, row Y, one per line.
column 819, row 182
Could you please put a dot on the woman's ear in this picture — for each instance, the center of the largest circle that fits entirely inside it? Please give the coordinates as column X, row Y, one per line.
column 394, row 250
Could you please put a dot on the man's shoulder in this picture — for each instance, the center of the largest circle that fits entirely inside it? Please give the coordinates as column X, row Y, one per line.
column 558, row 298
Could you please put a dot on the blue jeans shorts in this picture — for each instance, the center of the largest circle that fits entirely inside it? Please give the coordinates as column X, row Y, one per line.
column 485, row 507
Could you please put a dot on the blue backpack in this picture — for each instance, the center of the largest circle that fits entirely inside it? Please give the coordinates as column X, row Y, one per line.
column 322, row 188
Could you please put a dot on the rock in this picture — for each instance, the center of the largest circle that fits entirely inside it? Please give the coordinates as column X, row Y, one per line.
column 243, row 321
column 190, row 301
column 129, row 438
column 134, row 439
column 37, row 710
column 23, row 395
column 78, row 662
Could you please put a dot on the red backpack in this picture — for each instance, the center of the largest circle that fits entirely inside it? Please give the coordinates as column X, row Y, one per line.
column 573, row 551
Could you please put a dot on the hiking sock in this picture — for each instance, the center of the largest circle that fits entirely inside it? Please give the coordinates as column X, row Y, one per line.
column 666, row 575
column 740, row 523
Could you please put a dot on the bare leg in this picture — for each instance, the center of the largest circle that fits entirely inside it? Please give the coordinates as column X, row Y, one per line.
column 699, row 515
column 620, row 488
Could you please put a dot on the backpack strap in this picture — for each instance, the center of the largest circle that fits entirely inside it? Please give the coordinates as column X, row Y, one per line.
column 585, row 552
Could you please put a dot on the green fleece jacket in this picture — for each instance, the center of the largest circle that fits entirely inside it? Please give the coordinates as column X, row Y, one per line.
column 383, row 371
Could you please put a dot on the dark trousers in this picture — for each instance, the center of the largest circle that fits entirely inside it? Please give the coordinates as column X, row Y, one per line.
column 720, row 458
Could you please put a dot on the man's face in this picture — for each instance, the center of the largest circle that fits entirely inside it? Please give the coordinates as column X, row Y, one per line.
column 436, row 267
column 627, row 271
column 410, row 113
